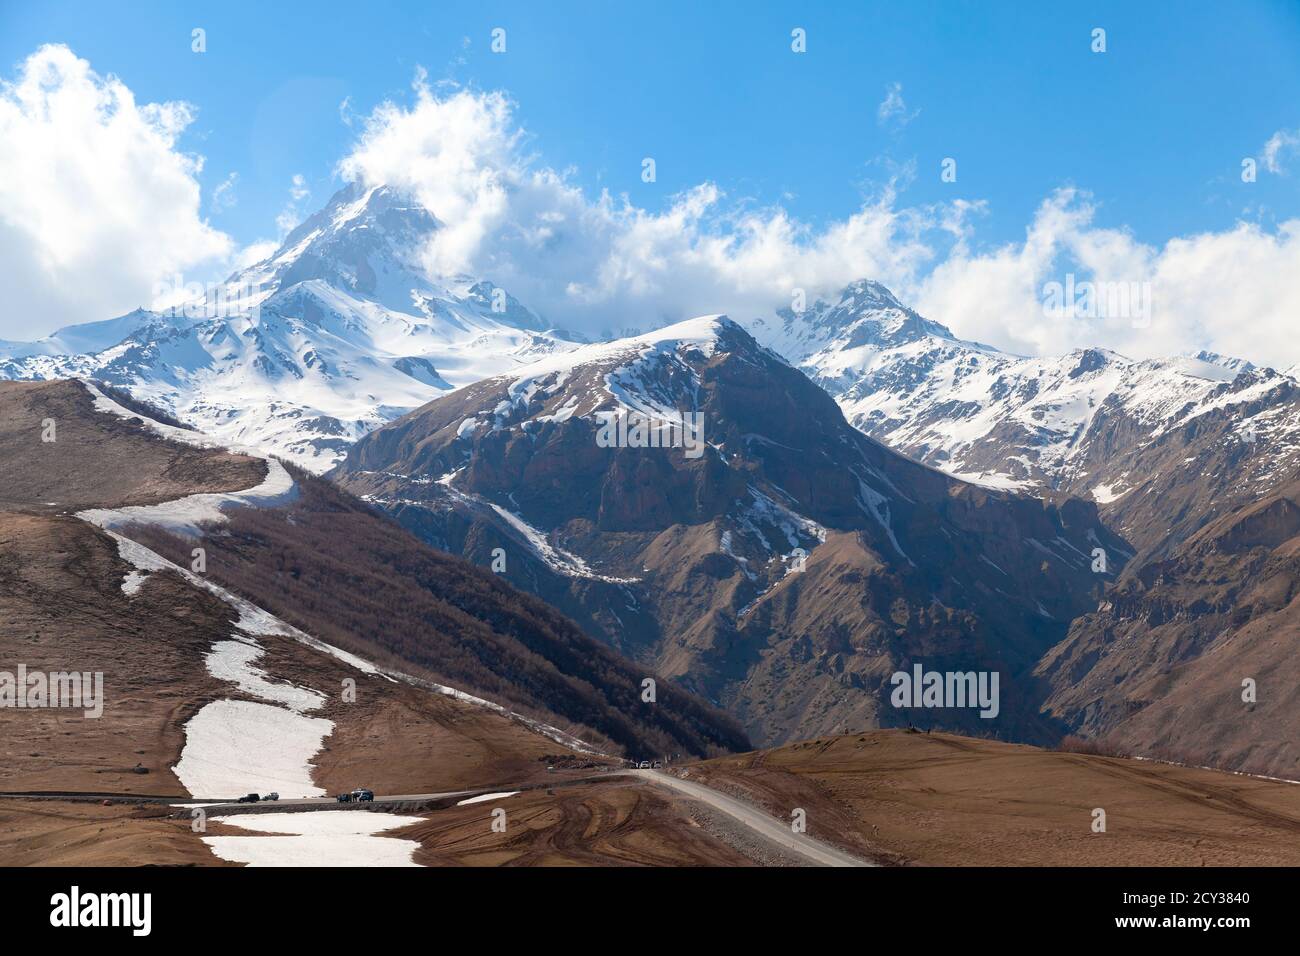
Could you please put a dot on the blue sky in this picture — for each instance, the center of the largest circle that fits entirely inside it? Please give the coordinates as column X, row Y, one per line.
column 1155, row 128
column 1067, row 160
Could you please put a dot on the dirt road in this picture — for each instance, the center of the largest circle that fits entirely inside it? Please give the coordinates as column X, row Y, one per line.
column 768, row 827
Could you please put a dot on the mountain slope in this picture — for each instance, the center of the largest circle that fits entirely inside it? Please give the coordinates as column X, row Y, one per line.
column 337, row 332
column 72, row 598
column 1159, row 667
column 942, row 800
column 335, row 568
column 689, row 562
column 359, row 599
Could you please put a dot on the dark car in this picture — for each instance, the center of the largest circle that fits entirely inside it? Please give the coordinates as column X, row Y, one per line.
column 344, row 798
column 249, row 798
column 363, row 796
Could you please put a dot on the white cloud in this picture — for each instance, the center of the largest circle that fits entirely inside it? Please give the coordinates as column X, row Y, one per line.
column 893, row 108
column 223, row 197
column 1231, row 292
column 1282, row 143
column 96, row 200
column 457, row 154
column 292, row 213
column 604, row 263
column 253, row 253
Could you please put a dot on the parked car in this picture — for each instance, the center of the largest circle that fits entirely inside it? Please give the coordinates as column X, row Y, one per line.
column 362, row 795
column 344, row 798
column 271, row 796
column 249, row 798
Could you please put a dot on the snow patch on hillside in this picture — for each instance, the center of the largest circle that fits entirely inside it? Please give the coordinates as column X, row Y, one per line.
column 233, row 747
column 234, row 662
column 1105, row 494
column 186, row 516
column 316, row 838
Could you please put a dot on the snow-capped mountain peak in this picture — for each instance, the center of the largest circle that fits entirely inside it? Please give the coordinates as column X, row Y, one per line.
column 362, row 234
column 337, row 332
column 90, row 336
column 865, row 314
column 989, row 416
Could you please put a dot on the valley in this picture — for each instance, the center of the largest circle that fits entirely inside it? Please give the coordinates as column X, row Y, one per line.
column 892, row 797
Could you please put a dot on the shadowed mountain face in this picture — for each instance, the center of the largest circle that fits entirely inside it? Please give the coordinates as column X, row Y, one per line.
column 1181, row 454
column 1193, row 657
column 783, row 564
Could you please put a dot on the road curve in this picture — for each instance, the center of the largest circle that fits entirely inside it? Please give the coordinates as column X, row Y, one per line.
column 770, row 828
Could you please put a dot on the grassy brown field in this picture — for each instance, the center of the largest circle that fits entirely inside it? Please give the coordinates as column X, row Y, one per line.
column 63, row 833
column 938, row 799
column 63, row 609
column 97, row 460
column 895, row 797
column 61, row 601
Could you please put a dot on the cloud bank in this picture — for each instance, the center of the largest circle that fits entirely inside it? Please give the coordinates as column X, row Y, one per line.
column 96, row 200
column 604, row 264
column 1233, row 292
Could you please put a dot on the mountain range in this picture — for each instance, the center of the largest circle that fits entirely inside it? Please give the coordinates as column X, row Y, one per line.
column 870, row 492
column 1159, row 444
